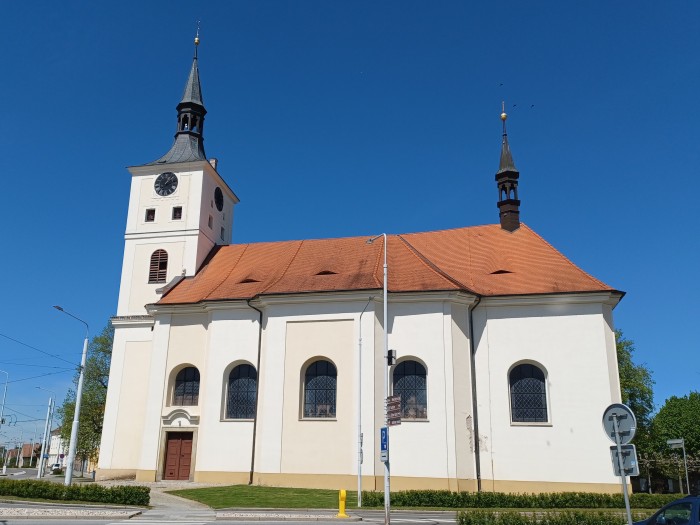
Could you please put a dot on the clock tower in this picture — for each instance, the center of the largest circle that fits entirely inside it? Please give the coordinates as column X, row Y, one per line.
column 179, row 209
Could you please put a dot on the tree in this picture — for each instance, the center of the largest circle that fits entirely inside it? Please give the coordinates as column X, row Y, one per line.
column 678, row 418
column 637, row 389
column 94, row 395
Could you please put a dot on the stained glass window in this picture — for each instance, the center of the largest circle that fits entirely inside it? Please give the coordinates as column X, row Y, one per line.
column 242, row 388
column 528, row 395
column 410, row 383
column 320, row 389
column 186, row 387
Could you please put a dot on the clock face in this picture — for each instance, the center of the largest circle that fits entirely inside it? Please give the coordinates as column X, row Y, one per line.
column 219, row 199
column 166, row 183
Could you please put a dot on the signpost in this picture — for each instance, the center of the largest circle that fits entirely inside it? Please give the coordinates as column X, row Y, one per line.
column 620, row 426
column 393, row 410
column 680, row 443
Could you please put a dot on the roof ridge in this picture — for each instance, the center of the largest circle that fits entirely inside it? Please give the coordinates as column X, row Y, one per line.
column 434, row 267
column 289, row 263
column 233, row 267
column 566, row 259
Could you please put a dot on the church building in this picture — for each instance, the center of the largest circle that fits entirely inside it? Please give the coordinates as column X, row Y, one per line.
column 266, row 363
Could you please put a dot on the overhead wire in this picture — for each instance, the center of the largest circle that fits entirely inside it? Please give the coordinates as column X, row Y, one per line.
column 37, row 349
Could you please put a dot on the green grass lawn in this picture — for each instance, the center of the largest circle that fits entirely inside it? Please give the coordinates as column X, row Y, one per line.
column 247, row 496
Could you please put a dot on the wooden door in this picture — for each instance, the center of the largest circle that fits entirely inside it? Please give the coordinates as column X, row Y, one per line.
column 178, row 456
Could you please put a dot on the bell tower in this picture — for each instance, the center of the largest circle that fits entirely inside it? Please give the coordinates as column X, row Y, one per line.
column 507, row 181
column 179, row 209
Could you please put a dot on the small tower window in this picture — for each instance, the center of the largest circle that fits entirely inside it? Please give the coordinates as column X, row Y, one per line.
column 177, row 213
column 159, row 267
column 211, row 222
column 222, row 233
column 150, row 215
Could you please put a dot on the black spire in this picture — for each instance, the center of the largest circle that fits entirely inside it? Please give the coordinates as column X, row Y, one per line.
column 189, row 138
column 507, row 181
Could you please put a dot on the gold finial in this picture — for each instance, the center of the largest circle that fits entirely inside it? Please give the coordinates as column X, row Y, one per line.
column 504, row 116
column 196, row 38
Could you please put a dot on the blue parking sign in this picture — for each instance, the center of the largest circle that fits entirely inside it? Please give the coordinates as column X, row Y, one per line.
column 384, row 445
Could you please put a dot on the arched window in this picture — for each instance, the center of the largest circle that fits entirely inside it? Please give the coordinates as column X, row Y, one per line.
column 528, row 394
column 320, row 389
column 410, row 383
column 186, row 391
column 242, row 388
column 159, row 267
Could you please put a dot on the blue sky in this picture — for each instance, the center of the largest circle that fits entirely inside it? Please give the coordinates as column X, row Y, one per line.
column 342, row 118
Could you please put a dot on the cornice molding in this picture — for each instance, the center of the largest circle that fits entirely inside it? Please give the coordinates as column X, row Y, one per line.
column 132, row 320
column 608, row 298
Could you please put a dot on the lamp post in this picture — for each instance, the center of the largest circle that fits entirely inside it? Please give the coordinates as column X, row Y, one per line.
column 387, row 477
column 78, row 396
column 680, row 443
column 47, row 428
column 4, row 395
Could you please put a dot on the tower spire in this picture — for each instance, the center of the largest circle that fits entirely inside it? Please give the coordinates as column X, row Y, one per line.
column 189, row 137
column 507, row 181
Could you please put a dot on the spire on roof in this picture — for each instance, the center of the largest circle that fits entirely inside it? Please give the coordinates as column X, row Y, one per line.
column 189, row 137
column 506, row 163
column 507, row 181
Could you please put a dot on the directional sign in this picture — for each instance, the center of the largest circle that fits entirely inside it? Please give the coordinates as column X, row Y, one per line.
column 393, row 421
column 629, row 460
column 675, row 443
column 384, row 444
column 393, row 406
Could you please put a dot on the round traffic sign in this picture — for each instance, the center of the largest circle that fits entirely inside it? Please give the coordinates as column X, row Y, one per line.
column 626, row 423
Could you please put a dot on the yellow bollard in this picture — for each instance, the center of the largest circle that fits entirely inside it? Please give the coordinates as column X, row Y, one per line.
column 342, row 496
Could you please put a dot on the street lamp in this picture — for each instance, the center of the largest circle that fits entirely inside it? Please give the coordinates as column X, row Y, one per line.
column 4, row 395
column 78, row 396
column 387, row 478
column 680, row 443
column 47, row 426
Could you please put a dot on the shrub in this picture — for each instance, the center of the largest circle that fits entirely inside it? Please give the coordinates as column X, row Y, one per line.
column 482, row 517
column 486, row 500
column 34, row 489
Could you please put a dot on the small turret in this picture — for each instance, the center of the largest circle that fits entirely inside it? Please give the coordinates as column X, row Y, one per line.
column 507, row 181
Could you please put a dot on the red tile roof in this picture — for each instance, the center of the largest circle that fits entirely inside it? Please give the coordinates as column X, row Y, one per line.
column 484, row 260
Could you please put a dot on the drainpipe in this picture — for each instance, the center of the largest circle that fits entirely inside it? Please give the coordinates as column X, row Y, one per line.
column 475, row 410
column 257, row 392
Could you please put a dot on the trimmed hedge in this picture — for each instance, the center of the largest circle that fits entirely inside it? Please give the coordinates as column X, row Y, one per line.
column 485, row 500
column 482, row 517
column 122, row 495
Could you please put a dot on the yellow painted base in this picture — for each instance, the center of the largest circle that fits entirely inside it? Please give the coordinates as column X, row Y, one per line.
column 111, row 473
column 146, row 475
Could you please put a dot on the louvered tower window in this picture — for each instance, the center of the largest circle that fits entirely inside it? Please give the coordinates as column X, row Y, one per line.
column 242, row 388
column 410, row 383
column 528, row 394
column 159, row 267
column 320, row 389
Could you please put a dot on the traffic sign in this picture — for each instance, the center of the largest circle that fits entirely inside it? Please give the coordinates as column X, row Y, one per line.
column 626, row 423
column 384, row 444
column 629, row 460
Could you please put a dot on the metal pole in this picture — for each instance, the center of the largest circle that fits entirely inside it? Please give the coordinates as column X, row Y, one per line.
column 78, row 399
column 685, row 461
column 4, row 395
column 43, row 442
column 359, row 411
column 387, row 476
column 622, row 470
column 387, row 473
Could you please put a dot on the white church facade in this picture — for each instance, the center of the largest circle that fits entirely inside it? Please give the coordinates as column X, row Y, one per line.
column 264, row 363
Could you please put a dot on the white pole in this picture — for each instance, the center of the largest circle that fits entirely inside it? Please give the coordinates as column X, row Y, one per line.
column 2, row 415
column 387, row 474
column 78, row 398
column 43, row 442
column 622, row 470
column 359, row 411
column 76, row 416
column 685, row 461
